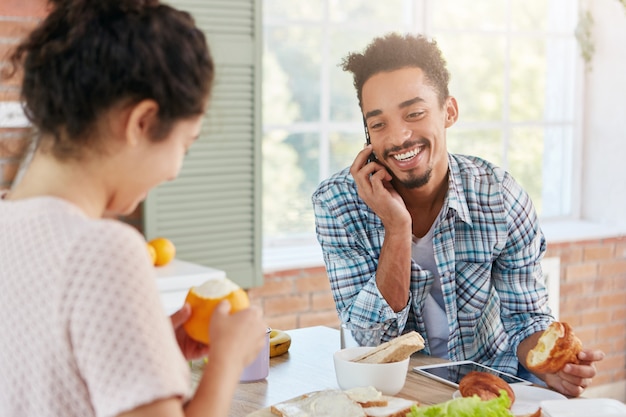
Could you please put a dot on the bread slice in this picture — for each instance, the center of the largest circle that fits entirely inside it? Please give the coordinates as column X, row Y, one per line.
column 395, row 350
column 320, row 403
column 367, row 396
column 396, row 407
column 337, row 403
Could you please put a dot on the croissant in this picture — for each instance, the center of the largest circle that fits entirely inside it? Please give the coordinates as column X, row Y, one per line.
column 557, row 346
column 487, row 386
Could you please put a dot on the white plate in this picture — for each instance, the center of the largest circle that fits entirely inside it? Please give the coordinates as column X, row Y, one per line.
column 527, row 398
column 596, row 407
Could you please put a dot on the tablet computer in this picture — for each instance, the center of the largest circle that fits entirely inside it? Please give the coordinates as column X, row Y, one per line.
column 452, row 372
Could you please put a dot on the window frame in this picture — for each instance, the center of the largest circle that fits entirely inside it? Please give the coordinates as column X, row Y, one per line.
column 303, row 250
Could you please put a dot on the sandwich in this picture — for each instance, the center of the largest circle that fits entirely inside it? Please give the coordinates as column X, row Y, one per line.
column 395, row 350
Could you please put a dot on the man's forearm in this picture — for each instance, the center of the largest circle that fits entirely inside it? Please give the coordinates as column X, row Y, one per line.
column 393, row 276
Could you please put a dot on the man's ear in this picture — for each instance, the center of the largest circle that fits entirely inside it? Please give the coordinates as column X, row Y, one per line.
column 452, row 111
column 141, row 118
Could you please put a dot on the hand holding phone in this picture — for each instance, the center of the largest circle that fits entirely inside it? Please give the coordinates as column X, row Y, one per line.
column 372, row 157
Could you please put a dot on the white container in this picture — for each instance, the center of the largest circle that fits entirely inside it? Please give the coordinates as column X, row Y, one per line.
column 259, row 368
column 388, row 378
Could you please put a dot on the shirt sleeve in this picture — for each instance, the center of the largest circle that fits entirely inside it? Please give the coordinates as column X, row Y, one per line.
column 351, row 264
column 123, row 341
column 517, row 270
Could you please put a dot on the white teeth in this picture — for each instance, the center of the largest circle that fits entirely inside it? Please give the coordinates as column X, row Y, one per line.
column 407, row 155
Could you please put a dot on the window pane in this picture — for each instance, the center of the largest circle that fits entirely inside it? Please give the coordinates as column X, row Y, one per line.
column 344, row 105
column 559, row 94
column 476, row 65
column 343, row 149
column 528, row 79
column 526, row 150
column 543, row 15
column 529, row 15
column 289, row 9
column 557, row 171
column 296, row 51
column 358, row 12
column 290, row 174
column 484, row 143
column 468, row 14
column 279, row 105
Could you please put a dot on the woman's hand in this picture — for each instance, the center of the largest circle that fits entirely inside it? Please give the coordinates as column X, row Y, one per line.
column 237, row 337
column 190, row 348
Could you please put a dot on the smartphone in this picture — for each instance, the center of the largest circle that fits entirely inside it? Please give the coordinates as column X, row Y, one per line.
column 372, row 157
column 451, row 373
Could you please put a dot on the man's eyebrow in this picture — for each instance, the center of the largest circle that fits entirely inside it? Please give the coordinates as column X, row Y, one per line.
column 402, row 105
column 411, row 102
column 373, row 113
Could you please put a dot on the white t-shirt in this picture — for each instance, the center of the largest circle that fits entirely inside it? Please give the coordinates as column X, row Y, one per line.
column 82, row 329
column 434, row 313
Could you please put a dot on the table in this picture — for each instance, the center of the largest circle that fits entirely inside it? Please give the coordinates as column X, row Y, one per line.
column 308, row 366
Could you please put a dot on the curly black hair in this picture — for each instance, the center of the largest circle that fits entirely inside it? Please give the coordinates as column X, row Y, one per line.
column 394, row 51
column 90, row 55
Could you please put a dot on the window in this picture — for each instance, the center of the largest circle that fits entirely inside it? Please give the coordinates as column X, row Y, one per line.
column 514, row 67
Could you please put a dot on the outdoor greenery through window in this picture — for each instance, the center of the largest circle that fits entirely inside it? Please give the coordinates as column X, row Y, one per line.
column 513, row 67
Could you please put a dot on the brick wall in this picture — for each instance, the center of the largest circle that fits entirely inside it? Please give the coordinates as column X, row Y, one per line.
column 593, row 298
column 15, row 22
column 296, row 298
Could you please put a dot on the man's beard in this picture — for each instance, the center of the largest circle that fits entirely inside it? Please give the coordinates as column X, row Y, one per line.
column 415, row 181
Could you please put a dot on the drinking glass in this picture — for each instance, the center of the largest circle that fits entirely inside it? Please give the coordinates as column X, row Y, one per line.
column 360, row 335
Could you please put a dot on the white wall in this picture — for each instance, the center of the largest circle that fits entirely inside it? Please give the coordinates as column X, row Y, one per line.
column 604, row 152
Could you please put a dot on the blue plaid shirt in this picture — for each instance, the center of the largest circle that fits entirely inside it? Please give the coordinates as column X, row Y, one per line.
column 487, row 245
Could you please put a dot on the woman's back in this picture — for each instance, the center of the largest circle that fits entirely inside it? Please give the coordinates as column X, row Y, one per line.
column 80, row 313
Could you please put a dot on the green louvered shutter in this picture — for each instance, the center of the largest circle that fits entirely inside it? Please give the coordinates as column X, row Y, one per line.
column 212, row 211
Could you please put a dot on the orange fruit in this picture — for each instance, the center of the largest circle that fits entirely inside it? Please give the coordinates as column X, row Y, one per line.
column 152, row 252
column 165, row 250
column 203, row 300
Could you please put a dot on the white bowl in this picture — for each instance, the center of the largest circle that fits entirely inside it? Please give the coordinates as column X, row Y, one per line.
column 388, row 378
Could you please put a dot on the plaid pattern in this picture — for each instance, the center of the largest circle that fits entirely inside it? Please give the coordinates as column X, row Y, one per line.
column 487, row 245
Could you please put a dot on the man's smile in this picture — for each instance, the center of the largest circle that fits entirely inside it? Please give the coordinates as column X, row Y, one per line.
column 407, row 156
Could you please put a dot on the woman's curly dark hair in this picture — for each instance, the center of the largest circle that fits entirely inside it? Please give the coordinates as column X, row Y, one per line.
column 394, row 51
column 90, row 55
